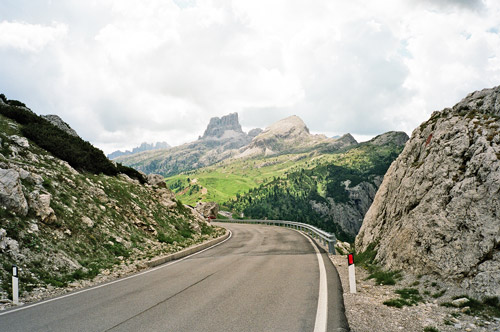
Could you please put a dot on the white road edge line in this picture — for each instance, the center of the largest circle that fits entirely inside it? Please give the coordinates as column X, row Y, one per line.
column 115, row 281
column 322, row 311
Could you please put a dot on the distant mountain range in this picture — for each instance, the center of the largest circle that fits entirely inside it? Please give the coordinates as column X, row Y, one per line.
column 224, row 139
column 143, row 147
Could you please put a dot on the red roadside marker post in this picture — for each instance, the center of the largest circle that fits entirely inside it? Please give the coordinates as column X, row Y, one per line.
column 352, row 273
column 15, row 285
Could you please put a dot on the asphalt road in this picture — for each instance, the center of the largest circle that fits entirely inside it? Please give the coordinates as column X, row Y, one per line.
column 264, row 278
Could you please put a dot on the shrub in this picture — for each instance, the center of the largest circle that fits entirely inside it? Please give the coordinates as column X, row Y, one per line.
column 16, row 103
column 407, row 297
column 439, row 294
column 385, row 277
column 164, row 238
column 430, row 329
column 398, row 303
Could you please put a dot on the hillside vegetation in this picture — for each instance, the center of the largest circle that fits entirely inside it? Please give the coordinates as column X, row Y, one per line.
column 60, row 223
column 300, row 187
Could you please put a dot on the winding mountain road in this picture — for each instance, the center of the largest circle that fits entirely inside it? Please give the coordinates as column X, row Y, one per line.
column 263, row 278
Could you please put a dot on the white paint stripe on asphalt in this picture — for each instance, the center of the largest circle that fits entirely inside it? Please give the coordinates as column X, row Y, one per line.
column 322, row 310
column 115, row 281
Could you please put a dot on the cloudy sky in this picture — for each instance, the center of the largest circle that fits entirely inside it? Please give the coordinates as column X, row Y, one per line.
column 121, row 72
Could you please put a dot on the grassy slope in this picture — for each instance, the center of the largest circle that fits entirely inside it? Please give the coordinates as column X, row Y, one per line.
column 225, row 180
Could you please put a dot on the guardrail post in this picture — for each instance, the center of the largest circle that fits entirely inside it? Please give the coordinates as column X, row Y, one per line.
column 331, row 247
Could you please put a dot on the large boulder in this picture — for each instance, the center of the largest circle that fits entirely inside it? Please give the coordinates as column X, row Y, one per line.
column 3, row 239
column 21, row 141
column 207, row 210
column 156, row 180
column 40, row 204
column 11, row 193
column 438, row 208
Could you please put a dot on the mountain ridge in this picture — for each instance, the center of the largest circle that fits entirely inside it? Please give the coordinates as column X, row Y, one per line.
column 224, row 139
column 143, row 147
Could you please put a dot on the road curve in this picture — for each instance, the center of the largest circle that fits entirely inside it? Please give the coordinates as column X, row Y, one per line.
column 264, row 278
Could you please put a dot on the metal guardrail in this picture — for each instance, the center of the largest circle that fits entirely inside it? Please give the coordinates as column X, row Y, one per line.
column 328, row 239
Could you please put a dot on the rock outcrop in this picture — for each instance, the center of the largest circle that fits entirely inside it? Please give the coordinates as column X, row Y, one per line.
column 391, row 137
column 156, row 180
column 40, row 203
column 343, row 142
column 3, row 239
column 438, row 208
column 208, row 209
column 349, row 215
column 254, row 132
column 11, row 193
column 59, row 123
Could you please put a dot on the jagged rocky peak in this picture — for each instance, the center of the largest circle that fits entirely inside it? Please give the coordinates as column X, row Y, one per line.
column 254, row 132
column 59, row 123
column 143, row 147
column 437, row 210
column 219, row 126
column 392, row 137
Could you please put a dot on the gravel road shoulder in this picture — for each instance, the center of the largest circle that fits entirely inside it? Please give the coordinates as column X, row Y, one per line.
column 366, row 312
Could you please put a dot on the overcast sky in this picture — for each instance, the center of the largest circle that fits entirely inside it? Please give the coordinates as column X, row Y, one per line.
column 122, row 72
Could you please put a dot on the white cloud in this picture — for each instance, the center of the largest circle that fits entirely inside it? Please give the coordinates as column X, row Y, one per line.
column 126, row 71
column 29, row 37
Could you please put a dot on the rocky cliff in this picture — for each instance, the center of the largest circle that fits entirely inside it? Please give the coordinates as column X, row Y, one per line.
column 225, row 133
column 349, row 213
column 218, row 127
column 60, row 225
column 438, row 209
